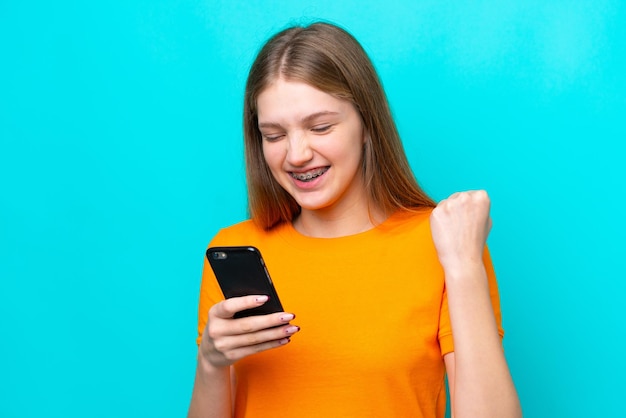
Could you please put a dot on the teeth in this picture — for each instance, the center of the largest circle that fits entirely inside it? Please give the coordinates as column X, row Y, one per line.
column 308, row 176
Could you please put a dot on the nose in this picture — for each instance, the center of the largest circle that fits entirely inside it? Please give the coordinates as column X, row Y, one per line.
column 299, row 151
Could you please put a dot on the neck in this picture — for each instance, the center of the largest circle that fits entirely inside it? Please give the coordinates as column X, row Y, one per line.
column 318, row 224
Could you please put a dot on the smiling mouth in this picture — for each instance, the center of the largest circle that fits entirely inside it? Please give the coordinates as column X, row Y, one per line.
column 309, row 175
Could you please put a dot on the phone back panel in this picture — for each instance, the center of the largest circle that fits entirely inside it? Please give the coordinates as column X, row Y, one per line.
column 241, row 271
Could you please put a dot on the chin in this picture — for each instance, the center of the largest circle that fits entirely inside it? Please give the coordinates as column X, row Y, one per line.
column 313, row 206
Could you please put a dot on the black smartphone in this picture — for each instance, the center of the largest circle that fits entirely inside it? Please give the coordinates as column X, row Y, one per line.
column 241, row 271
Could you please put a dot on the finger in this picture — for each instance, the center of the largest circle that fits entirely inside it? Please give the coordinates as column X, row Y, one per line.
column 482, row 196
column 259, row 322
column 229, row 307
column 241, row 352
column 224, row 327
column 235, row 342
column 228, row 350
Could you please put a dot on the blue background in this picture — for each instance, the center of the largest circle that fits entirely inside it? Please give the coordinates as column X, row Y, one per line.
column 121, row 156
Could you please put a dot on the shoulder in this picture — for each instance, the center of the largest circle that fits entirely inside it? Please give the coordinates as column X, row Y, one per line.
column 408, row 221
column 242, row 233
column 235, row 232
column 408, row 230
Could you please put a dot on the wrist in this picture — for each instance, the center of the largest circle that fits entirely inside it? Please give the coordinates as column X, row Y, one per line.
column 207, row 367
column 464, row 271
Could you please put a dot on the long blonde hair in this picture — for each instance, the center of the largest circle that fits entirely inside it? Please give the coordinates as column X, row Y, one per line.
column 331, row 60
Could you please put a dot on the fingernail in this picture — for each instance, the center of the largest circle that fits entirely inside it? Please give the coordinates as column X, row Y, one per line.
column 262, row 299
column 287, row 317
column 284, row 341
column 292, row 329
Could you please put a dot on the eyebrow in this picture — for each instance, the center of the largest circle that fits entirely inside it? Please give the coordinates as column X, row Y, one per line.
column 305, row 119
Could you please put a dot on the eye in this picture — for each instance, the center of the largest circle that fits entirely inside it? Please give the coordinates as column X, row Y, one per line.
column 272, row 137
column 320, row 129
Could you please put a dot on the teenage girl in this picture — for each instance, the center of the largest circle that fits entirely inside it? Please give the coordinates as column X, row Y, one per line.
column 391, row 290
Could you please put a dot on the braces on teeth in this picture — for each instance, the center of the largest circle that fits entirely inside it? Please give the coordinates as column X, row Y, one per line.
column 307, row 176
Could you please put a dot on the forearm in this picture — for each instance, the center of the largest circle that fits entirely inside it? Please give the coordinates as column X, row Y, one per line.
column 211, row 397
column 483, row 386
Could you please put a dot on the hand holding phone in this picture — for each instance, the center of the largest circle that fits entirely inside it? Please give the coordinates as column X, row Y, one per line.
column 240, row 271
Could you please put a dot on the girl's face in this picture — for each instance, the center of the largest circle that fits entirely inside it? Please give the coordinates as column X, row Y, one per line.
column 313, row 144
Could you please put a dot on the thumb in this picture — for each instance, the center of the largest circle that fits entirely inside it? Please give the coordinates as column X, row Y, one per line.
column 229, row 307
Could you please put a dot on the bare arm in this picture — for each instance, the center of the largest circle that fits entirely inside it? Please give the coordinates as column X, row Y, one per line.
column 479, row 378
column 211, row 396
column 227, row 340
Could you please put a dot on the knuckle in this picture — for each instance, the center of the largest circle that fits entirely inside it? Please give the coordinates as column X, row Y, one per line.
column 252, row 339
column 227, row 306
column 213, row 311
column 213, row 333
column 231, row 356
column 258, row 348
column 220, row 309
column 246, row 326
column 220, row 346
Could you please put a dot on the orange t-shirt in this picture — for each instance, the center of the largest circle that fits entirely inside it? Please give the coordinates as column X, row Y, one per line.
column 374, row 322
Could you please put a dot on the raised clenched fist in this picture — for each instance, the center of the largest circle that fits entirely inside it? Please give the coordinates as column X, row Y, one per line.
column 460, row 225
